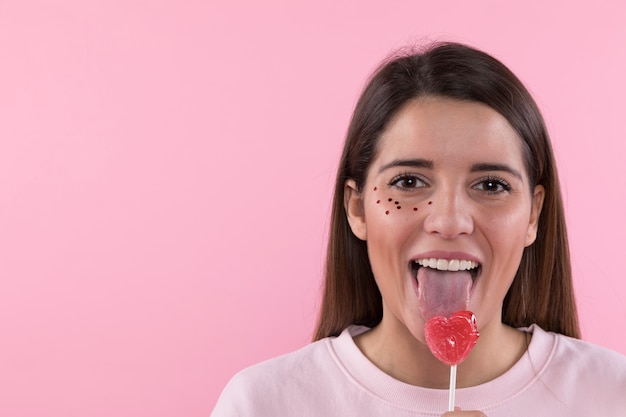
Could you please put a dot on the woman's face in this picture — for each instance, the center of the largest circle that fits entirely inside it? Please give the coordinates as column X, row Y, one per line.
column 448, row 183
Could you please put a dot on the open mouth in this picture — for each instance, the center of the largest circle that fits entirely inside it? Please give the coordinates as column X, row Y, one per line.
column 452, row 265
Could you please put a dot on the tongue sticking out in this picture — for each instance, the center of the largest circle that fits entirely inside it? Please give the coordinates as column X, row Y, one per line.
column 442, row 293
column 450, row 329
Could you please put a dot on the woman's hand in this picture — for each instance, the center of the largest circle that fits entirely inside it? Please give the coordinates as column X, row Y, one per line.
column 459, row 413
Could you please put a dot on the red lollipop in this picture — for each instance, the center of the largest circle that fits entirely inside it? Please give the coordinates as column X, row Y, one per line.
column 451, row 339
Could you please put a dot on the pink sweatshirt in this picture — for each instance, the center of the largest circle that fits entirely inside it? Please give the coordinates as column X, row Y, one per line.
column 558, row 376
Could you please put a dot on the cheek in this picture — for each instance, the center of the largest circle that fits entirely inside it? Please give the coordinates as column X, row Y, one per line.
column 506, row 237
column 391, row 219
column 515, row 224
column 394, row 206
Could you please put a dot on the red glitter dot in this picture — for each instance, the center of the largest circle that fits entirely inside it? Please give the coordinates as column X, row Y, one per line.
column 398, row 207
column 387, row 212
column 389, row 199
column 377, row 201
column 430, row 202
column 414, row 208
column 375, row 188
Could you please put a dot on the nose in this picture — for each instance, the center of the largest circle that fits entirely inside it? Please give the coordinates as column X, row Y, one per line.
column 450, row 215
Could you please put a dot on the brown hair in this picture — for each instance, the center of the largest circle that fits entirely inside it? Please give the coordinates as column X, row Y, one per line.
column 542, row 291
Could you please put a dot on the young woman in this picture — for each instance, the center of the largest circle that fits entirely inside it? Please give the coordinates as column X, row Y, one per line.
column 448, row 177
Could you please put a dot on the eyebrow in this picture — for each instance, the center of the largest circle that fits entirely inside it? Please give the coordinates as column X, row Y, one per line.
column 481, row 167
column 413, row 163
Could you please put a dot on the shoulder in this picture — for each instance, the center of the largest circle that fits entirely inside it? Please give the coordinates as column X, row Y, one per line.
column 586, row 372
column 288, row 367
column 273, row 385
column 589, row 357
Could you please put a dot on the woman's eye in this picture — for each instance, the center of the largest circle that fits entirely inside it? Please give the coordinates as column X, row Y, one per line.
column 493, row 185
column 407, row 182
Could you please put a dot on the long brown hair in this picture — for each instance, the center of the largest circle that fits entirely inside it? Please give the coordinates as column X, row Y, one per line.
column 542, row 291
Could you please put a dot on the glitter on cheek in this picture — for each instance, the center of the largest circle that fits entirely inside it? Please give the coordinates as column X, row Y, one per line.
column 375, row 188
column 398, row 207
column 430, row 202
column 389, row 199
column 414, row 208
column 387, row 212
column 377, row 201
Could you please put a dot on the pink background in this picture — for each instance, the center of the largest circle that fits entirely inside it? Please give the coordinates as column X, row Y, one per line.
column 166, row 171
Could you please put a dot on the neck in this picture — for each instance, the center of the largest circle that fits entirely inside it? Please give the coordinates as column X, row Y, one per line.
column 393, row 349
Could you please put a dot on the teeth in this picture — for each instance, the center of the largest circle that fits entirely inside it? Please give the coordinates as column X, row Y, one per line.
column 448, row 264
column 453, row 265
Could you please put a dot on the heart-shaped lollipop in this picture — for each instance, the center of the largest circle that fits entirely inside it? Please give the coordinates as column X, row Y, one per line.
column 451, row 339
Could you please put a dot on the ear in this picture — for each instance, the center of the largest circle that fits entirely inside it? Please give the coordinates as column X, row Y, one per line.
column 537, row 205
column 353, row 204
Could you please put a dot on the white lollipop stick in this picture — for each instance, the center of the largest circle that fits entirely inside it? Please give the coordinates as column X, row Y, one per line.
column 452, row 388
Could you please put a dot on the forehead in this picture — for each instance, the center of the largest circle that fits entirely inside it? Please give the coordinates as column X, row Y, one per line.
column 450, row 131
